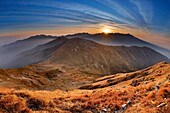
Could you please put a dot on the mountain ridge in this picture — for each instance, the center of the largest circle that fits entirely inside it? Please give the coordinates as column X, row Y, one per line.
column 120, row 39
column 50, row 46
column 91, row 56
column 8, row 52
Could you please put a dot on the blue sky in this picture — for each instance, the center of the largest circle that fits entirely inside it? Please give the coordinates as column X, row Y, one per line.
column 146, row 19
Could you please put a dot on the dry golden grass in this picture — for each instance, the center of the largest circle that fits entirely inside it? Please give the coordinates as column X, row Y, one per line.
column 152, row 95
column 109, row 99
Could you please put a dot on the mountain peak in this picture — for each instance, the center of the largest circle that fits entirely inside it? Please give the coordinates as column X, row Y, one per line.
column 41, row 36
column 119, row 34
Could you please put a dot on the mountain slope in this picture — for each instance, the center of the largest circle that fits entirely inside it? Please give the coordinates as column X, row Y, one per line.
column 37, row 54
column 25, row 44
column 45, row 77
column 152, row 95
column 104, row 59
column 91, row 57
column 9, row 51
column 118, row 39
column 159, row 72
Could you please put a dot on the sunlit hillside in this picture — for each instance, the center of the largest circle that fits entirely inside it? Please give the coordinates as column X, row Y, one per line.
column 152, row 95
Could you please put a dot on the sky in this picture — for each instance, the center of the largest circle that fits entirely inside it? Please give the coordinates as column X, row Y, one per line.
column 146, row 19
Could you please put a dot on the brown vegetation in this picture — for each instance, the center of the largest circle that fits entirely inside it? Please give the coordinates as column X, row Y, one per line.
column 151, row 96
column 137, row 99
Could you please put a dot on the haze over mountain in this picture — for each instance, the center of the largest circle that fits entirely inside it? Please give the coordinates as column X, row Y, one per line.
column 93, row 56
column 89, row 56
column 118, row 39
column 8, row 52
column 19, row 55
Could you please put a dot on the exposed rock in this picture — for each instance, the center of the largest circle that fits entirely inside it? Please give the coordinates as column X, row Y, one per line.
column 110, row 80
column 124, row 106
column 157, row 88
column 112, row 86
column 135, row 83
column 129, row 102
column 105, row 110
column 146, row 82
column 161, row 105
column 123, row 86
column 159, row 83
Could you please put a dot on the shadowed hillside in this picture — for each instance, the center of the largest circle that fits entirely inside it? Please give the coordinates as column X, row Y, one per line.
column 8, row 52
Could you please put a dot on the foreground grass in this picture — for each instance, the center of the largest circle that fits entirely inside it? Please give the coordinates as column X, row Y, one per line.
column 143, row 99
column 143, row 91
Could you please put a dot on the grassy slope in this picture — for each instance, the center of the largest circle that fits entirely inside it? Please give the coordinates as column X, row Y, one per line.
column 143, row 98
column 44, row 77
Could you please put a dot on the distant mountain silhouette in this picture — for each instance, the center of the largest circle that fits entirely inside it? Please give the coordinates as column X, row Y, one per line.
column 25, row 44
column 9, row 51
column 118, row 39
column 90, row 56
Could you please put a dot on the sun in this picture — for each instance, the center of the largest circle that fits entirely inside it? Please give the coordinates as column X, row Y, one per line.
column 106, row 31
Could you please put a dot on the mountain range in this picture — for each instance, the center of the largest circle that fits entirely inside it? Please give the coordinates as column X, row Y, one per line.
column 90, row 51
column 9, row 51
column 89, row 56
column 118, row 39
column 84, row 73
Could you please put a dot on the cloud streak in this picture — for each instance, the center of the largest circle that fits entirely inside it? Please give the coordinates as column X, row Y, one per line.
column 145, row 9
column 59, row 13
column 141, row 18
column 118, row 8
column 40, row 15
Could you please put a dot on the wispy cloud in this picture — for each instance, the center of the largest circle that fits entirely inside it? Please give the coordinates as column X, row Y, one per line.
column 37, row 13
column 123, row 11
column 126, row 16
column 145, row 9
column 49, row 13
column 139, row 16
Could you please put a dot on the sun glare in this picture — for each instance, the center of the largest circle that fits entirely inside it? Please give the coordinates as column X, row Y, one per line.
column 106, row 31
